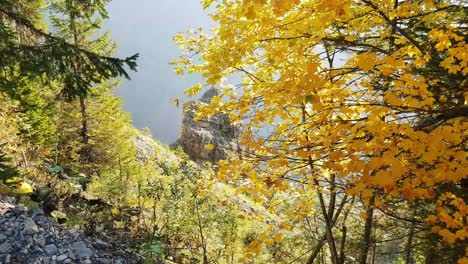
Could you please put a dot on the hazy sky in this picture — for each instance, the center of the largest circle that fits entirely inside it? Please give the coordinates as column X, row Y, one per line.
column 147, row 27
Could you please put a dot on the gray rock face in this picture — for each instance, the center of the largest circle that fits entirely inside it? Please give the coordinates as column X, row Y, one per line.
column 208, row 95
column 216, row 130
column 32, row 237
column 144, row 147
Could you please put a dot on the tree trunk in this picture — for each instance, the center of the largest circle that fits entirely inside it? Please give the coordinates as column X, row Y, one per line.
column 316, row 251
column 374, row 249
column 409, row 245
column 342, row 245
column 84, row 121
column 366, row 239
column 84, row 152
column 328, row 229
column 327, row 216
column 202, row 236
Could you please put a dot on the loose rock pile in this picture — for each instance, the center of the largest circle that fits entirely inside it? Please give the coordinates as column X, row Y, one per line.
column 32, row 237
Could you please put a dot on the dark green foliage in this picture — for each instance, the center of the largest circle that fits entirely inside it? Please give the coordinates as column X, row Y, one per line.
column 50, row 56
column 6, row 170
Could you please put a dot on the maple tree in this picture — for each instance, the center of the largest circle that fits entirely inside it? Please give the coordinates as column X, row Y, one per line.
column 361, row 100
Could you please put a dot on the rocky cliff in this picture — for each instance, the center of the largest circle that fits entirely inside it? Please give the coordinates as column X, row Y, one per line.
column 217, row 130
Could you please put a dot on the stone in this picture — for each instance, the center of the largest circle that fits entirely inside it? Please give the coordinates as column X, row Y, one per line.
column 9, row 232
column 40, row 241
column 20, row 236
column 37, row 250
column 71, row 255
column 36, row 212
column 30, row 227
column 81, row 250
column 61, row 258
column 5, row 247
column 7, row 259
column 19, row 209
column 50, row 249
column 3, row 237
column 100, row 244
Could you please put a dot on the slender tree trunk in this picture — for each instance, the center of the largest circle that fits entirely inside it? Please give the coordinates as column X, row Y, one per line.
column 25, row 159
column 409, row 245
column 366, row 239
column 374, row 249
column 120, row 170
column 326, row 216
column 332, row 203
column 342, row 245
column 18, row 29
column 84, row 121
column 84, row 152
column 328, row 229
column 316, row 250
column 139, row 194
column 202, row 236
column 344, row 229
column 153, row 220
column 323, row 239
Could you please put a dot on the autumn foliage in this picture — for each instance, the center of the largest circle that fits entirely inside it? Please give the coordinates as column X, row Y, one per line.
column 346, row 100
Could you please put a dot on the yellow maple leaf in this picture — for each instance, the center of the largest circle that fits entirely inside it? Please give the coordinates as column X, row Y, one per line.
column 278, row 237
column 209, row 146
column 363, row 215
column 366, row 61
column 24, row 188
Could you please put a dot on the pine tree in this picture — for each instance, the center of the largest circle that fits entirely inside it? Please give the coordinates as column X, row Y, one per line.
column 78, row 22
column 39, row 69
column 6, row 169
column 52, row 56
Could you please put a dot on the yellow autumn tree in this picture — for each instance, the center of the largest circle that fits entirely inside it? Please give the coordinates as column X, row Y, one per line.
column 355, row 99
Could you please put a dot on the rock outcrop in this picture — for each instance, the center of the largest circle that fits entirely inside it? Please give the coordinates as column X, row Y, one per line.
column 32, row 237
column 148, row 148
column 216, row 130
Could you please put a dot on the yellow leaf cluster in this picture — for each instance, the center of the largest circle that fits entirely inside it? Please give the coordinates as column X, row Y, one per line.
column 337, row 89
column 450, row 217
